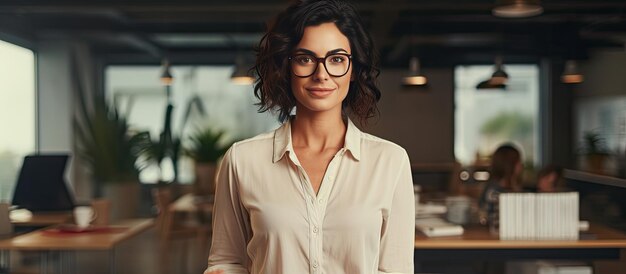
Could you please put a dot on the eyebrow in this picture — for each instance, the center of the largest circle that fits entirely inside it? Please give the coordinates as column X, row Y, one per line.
column 303, row 50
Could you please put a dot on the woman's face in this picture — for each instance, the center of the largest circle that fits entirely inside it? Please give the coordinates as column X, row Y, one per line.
column 321, row 92
column 519, row 168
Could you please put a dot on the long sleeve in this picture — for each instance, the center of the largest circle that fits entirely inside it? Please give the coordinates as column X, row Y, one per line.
column 398, row 232
column 230, row 222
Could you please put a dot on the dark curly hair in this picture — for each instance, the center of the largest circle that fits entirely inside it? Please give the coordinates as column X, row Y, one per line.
column 273, row 87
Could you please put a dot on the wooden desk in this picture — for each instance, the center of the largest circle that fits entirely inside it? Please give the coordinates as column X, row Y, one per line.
column 68, row 243
column 478, row 244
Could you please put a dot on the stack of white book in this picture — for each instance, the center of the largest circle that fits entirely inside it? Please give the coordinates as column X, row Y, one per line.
column 530, row 216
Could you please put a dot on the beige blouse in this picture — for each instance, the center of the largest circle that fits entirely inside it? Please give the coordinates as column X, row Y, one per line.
column 267, row 218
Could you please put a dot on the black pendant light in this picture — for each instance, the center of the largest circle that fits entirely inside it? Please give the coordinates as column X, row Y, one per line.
column 241, row 74
column 498, row 79
column 571, row 74
column 166, row 75
column 414, row 77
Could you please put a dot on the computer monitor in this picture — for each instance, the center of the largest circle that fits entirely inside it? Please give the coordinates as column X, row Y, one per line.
column 41, row 185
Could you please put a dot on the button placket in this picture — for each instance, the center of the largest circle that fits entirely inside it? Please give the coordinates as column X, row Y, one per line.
column 312, row 212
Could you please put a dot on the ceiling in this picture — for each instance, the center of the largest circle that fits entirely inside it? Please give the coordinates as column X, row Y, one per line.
column 439, row 32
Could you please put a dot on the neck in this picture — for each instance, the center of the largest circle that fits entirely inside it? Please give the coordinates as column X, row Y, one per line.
column 318, row 130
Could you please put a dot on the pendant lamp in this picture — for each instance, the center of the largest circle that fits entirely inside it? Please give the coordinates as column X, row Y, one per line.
column 166, row 75
column 241, row 75
column 414, row 77
column 498, row 79
column 571, row 75
column 517, row 8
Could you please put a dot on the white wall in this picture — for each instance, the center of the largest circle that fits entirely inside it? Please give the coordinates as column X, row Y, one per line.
column 56, row 105
column 55, row 100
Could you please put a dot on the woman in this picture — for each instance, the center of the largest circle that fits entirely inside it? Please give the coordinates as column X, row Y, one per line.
column 506, row 169
column 550, row 179
column 316, row 195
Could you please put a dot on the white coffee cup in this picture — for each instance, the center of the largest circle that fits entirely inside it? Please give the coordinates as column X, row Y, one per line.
column 458, row 209
column 83, row 215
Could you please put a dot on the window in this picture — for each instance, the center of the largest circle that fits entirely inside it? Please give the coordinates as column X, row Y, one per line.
column 604, row 116
column 141, row 97
column 487, row 118
column 17, row 113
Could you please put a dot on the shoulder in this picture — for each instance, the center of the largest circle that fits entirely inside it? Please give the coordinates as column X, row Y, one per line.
column 267, row 137
column 377, row 145
column 246, row 148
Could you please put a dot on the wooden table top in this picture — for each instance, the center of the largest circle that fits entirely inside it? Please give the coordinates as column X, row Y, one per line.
column 479, row 238
column 43, row 239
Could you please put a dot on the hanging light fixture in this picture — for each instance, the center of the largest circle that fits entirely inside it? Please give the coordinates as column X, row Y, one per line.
column 166, row 75
column 499, row 76
column 517, row 8
column 488, row 85
column 241, row 74
column 498, row 79
column 414, row 77
column 571, row 75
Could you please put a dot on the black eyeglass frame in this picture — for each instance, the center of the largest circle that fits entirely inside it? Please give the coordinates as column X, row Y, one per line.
column 323, row 61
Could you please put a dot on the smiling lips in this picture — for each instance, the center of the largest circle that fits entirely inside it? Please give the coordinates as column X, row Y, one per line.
column 320, row 91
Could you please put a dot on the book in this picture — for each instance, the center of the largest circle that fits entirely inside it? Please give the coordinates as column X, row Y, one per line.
column 550, row 216
column 437, row 227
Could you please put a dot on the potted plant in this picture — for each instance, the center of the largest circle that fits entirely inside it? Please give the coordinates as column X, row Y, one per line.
column 169, row 145
column 110, row 149
column 595, row 152
column 206, row 148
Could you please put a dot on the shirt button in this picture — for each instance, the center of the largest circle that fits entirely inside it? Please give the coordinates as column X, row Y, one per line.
column 315, row 230
column 330, row 178
column 321, row 200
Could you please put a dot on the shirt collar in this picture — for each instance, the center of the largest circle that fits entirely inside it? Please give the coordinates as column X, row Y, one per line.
column 283, row 141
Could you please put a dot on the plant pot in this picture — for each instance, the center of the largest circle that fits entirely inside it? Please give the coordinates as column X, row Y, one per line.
column 205, row 179
column 124, row 197
column 596, row 163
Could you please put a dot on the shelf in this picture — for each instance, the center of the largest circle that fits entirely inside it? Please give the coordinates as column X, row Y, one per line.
column 594, row 178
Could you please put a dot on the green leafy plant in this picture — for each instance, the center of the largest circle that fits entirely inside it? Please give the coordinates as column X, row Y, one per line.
column 104, row 139
column 168, row 144
column 593, row 144
column 508, row 125
column 207, row 146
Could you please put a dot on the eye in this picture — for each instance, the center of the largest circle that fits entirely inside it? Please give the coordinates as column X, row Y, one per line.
column 303, row 59
column 338, row 58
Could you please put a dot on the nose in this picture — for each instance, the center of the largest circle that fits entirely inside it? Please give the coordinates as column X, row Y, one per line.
column 320, row 72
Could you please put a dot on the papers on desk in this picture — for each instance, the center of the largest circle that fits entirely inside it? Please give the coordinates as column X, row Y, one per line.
column 437, row 227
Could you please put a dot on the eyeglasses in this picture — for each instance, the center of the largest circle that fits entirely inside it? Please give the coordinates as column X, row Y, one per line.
column 305, row 65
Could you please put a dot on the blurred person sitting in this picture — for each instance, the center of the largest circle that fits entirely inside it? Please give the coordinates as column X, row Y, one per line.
column 506, row 169
column 550, row 179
